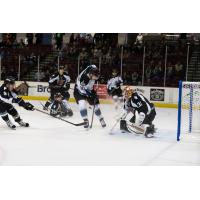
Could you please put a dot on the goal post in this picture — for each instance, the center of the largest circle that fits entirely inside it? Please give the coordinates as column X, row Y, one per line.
column 188, row 108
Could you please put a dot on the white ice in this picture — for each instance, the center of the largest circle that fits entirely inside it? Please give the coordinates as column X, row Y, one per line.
column 49, row 141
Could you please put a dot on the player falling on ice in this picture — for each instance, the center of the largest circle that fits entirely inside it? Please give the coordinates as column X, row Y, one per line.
column 60, row 83
column 114, row 88
column 7, row 97
column 84, row 92
column 58, row 109
column 143, row 114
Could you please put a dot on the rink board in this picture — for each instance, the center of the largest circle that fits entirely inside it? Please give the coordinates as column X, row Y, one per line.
column 160, row 96
column 102, row 101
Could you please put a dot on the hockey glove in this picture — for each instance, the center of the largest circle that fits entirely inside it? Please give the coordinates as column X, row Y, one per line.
column 28, row 106
column 118, row 84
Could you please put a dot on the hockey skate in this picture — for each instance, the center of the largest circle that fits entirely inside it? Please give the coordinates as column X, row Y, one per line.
column 149, row 133
column 69, row 112
column 152, row 128
column 24, row 124
column 86, row 126
column 103, row 124
column 10, row 125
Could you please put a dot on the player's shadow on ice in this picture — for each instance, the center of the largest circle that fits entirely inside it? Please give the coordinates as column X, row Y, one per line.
column 161, row 136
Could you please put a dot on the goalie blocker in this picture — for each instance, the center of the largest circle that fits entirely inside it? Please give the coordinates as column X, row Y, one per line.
column 143, row 114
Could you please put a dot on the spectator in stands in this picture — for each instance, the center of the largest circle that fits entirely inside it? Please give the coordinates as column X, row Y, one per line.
column 46, row 75
column 59, row 40
column 109, row 57
column 135, row 78
column 157, row 72
column 127, row 79
column 139, row 39
column 40, row 76
column 26, row 41
column 38, row 37
column 178, row 68
column 89, row 38
column 170, row 71
column 3, row 73
column 138, row 44
column 148, row 72
column 12, row 73
column 83, row 54
column 72, row 39
column 102, row 79
column 21, row 43
column 29, row 37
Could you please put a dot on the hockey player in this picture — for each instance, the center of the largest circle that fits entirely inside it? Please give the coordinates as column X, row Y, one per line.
column 58, row 108
column 84, row 92
column 7, row 97
column 60, row 83
column 114, row 88
column 143, row 113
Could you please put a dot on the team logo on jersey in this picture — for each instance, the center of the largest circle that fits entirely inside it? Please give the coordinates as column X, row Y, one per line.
column 157, row 94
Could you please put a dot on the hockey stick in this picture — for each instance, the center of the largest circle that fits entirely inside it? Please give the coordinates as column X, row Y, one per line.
column 118, row 120
column 114, row 125
column 93, row 109
column 93, row 114
column 78, row 124
column 43, row 106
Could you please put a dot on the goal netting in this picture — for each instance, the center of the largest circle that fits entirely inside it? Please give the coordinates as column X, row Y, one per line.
column 188, row 108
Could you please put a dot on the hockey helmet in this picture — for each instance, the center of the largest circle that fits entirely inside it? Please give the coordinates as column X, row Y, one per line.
column 94, row 71
column 58, row 95
column 61, row 67
column 114, row 72
column 128, row 91
column 9, row 80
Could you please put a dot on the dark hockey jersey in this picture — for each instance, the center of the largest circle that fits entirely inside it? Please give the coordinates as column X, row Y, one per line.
column 139, row 103
column 84, row 84
column 58, row 80
column 8, row 96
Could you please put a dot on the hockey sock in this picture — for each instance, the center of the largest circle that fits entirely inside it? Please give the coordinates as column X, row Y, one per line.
column 13, row 112
column 84, row 113
column 97, row 112
column 83, row 109
column 5, row 117
column 115, row 99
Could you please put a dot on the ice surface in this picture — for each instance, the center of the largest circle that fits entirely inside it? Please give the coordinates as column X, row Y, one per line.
column 49, row 141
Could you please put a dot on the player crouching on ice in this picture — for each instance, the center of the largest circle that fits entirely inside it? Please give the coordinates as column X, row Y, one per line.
column 143, row 114
column 60, row 83
column 114, row 88
column 58, row 107
column 7, row 97
column 84, row 92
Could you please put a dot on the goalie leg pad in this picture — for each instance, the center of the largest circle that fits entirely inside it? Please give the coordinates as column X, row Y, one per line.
column 134, row 128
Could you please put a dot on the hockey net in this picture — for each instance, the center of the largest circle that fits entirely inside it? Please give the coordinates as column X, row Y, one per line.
column 188, row 108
